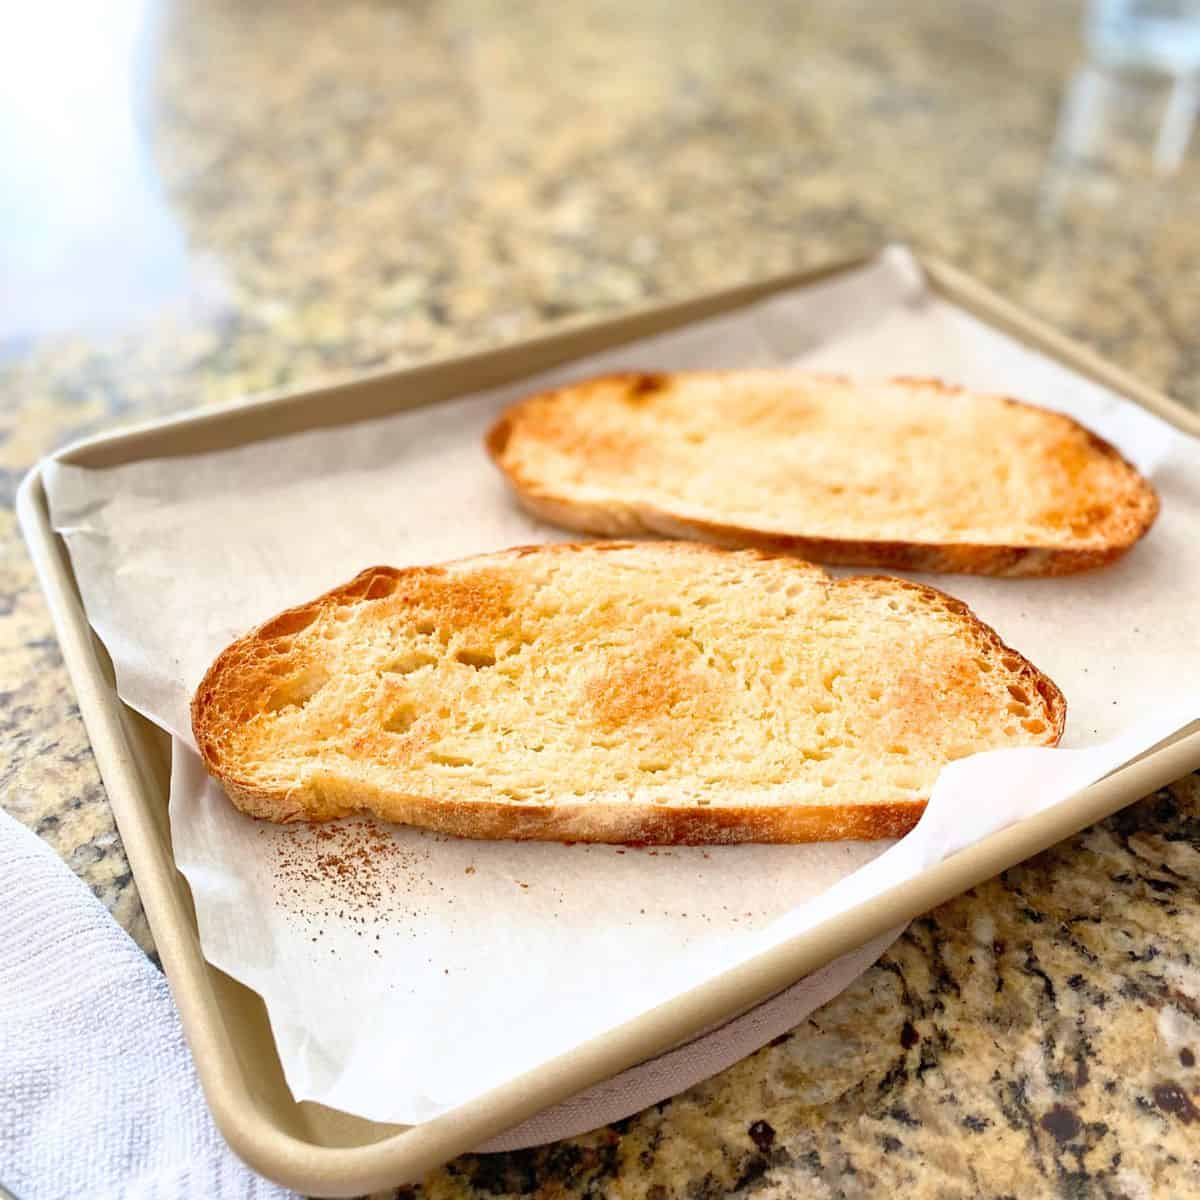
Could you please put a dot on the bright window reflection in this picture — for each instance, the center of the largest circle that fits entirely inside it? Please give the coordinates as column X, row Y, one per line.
column 85, row 236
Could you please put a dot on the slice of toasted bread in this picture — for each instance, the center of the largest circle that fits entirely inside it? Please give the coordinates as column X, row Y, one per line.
column 908, row 473
column 659, row 692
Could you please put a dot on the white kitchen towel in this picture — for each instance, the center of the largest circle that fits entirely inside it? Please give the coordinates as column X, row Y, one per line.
column 98, row 1095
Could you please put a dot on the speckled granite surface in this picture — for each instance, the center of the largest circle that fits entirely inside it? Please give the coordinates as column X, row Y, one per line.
column 416, row 178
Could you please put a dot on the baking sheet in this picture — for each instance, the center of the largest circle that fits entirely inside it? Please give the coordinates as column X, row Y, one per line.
column 455, row 981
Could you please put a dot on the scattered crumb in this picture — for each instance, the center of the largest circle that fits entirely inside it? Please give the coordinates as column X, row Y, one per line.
column 349, row 871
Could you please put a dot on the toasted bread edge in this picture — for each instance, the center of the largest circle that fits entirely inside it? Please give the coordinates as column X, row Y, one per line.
column 572, row 821
column 618, row 519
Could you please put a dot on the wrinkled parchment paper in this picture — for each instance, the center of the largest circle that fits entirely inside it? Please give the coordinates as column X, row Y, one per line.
column 405, row 981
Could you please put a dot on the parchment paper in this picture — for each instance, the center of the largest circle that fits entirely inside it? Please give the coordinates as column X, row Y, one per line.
column 402, row 982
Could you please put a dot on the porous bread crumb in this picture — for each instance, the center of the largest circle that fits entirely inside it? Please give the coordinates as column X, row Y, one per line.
column 653, row 692
column 902, row 472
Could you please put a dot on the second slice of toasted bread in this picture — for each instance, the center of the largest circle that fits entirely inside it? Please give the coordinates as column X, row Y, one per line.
column 650, row 692
column 907, row 473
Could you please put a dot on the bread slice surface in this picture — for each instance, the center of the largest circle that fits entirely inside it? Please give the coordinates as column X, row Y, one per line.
column 901, row 473
column 645, row 692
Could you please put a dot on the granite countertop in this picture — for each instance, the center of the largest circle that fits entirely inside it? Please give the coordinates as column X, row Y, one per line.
column 271, row 205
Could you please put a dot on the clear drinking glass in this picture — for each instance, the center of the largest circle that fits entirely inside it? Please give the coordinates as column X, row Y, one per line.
column 1151, row 35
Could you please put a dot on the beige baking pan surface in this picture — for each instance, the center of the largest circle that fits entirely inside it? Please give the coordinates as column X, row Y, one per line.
column 327, row 1153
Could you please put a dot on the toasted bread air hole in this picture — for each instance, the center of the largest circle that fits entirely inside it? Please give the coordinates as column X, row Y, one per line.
column 476, row 657
column 1019, row 705
column 1046, row 691
column 289, row 623
column 408, row 661
column 401, row 718
column 451, row 758
column 1034, row 725
column 297, row 691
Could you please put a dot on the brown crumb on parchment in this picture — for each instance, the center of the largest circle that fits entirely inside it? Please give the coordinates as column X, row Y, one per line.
column 351, row 872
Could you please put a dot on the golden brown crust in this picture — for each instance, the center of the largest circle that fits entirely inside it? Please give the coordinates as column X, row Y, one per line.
column 235, row 682
column 621, row 824
column 959, row 558
column 1135, row 515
